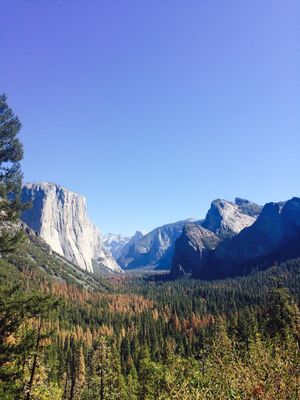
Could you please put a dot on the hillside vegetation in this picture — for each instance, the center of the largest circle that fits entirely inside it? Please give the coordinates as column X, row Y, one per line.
column 65, row 337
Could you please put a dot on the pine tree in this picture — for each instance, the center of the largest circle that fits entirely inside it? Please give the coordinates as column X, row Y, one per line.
column 20, row 338
column 80, row 373
column 11, row 153
column 132, row 384
column 282, row 314
column 125, row 355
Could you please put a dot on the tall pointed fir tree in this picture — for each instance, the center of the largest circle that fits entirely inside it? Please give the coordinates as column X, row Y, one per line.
column 11, row 153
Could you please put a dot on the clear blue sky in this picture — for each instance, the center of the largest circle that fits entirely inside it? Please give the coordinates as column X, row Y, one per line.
column 152, row 109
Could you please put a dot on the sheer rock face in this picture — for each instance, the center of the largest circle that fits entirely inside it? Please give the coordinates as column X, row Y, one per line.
column 227, row 219
column 60, row 218
column 192, row 249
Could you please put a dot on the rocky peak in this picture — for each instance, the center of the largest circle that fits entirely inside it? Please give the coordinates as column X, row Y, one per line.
column 198, row 241
column 226, row 219
column 136, row 237
column 115, row 243
column 291, row 211
column 248, row 207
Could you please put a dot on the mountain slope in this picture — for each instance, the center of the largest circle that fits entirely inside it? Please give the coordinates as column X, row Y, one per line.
column 60, row 218
column 155, row 248
column 223, row 220
column 35, row 259
column 226, row 219
column 274, row 236
column 115, row 243
column 248, row 207
column 192, row 248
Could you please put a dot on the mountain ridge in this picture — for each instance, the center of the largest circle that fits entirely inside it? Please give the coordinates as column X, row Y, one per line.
column 155, row 248
column 274, row 236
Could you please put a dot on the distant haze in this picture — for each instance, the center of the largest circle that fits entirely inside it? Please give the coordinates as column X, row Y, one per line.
column 153, row 109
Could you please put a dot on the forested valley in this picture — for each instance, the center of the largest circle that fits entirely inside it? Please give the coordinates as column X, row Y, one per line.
column 66, row 334
column 146, row 339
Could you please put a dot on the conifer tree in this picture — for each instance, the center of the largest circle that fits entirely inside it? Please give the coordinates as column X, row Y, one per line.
column 20, row 340
column 282, row 315
column 107, row 381
column 132, row 384
column 11, row 153
column 81, row 368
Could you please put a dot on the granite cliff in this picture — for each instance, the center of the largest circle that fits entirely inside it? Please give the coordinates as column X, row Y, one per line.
column 59, row 216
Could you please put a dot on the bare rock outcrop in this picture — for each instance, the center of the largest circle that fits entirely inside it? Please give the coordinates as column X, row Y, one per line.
column 60, row 218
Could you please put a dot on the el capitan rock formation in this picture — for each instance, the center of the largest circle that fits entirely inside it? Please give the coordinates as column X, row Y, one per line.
column 59, row 216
